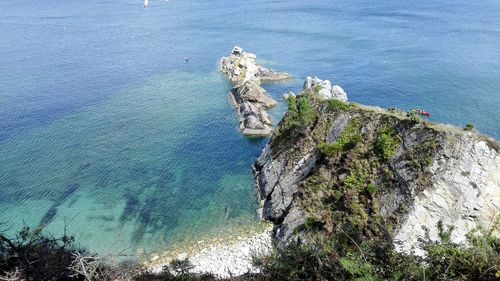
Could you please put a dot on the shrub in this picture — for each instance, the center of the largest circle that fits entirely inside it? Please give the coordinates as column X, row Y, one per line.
column 312, row 223
column 477, row 259
column 386, row 143
column 30, row 255
column 297, row 262
column 330, row 149
column 348, row 139
column 307, row 113
column 300, row 111
column 414, row 116
column 371, row 189
column 334, row 104
column 318, row 88
column 357, row 268
column 468, row 127
column 355, row 181
column 376, row 259
column 300, row 115
column 165, row 275
column 422, row 153
column 180, row 267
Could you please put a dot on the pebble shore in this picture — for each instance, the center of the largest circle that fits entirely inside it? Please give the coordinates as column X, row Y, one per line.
column 231, row 257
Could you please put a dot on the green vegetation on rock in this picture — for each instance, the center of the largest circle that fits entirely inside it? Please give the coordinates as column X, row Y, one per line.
column 334, row 104
column 348, row 138
column 300, row 111
column 468, row 127
column 351, row 199
column 312, row 223
column 318, row 88
column 414, row 116
column 423, row 153
column 476, row 259
column 301, row 114
column 386, row 142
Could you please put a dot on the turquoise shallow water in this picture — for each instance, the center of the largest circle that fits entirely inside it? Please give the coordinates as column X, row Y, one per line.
column 142, row 169
column 105, row 126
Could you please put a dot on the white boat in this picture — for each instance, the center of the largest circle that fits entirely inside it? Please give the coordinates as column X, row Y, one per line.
column 146, row 2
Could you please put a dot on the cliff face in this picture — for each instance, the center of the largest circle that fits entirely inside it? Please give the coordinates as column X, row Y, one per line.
column 333, row 166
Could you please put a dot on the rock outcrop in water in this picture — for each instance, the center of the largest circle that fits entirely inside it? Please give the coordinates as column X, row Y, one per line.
column 378, row 173
column 249, row 98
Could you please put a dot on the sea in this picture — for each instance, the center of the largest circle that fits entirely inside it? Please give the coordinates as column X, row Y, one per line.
column 115, row 124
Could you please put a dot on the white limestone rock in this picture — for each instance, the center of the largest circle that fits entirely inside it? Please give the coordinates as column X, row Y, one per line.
column 324, row 88
column 465, row 193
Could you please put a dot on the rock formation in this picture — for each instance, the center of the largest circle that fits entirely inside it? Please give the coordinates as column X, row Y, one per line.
column 379, row 173
column 324, row 88
column 249, row 98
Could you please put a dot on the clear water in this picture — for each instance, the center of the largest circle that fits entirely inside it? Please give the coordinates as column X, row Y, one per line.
column 104, row 126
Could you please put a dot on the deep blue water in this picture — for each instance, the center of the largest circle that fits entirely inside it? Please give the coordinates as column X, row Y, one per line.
column 105, row 126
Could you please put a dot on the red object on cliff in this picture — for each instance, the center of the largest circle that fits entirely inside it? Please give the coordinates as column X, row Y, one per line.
column 421, row 112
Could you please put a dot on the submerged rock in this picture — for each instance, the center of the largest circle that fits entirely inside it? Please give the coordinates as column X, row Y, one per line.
column 376, row 173
column 249, row 98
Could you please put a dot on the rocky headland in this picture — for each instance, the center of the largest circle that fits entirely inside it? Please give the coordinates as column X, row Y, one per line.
column 334, row 169
column 333, row 166
column 247, row 96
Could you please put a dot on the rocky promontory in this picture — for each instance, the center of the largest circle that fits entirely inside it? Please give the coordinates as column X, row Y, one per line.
column 334, row 167
column 339, row 179
column 248, row 97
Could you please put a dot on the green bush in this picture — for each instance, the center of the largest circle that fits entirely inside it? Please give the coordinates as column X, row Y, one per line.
column 348, row 139
column 300, row 111
column 330, row 149
column 386, row 143
column 371, row 189
column 312, row 223
column 414, row 116
column 357, row 268
column 180, row 266
column 301, row 114
column 318, row 88
column 468, row 127
column 422, row 153
column 334, row 104
column 477, row 259
column 355, row 181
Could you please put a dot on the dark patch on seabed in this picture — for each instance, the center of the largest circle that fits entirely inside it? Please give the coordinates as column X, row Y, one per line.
column 157, row 209
column 72, row 188
column 52, row 212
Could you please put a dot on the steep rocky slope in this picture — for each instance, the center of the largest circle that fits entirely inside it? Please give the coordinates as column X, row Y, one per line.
column 333, row 166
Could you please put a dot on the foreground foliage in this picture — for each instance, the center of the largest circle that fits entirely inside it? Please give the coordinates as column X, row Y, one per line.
column 32, row 256
column 477, row 259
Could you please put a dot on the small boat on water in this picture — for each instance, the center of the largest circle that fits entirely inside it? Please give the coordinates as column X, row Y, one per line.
column 421, row 112
column 146, row 3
